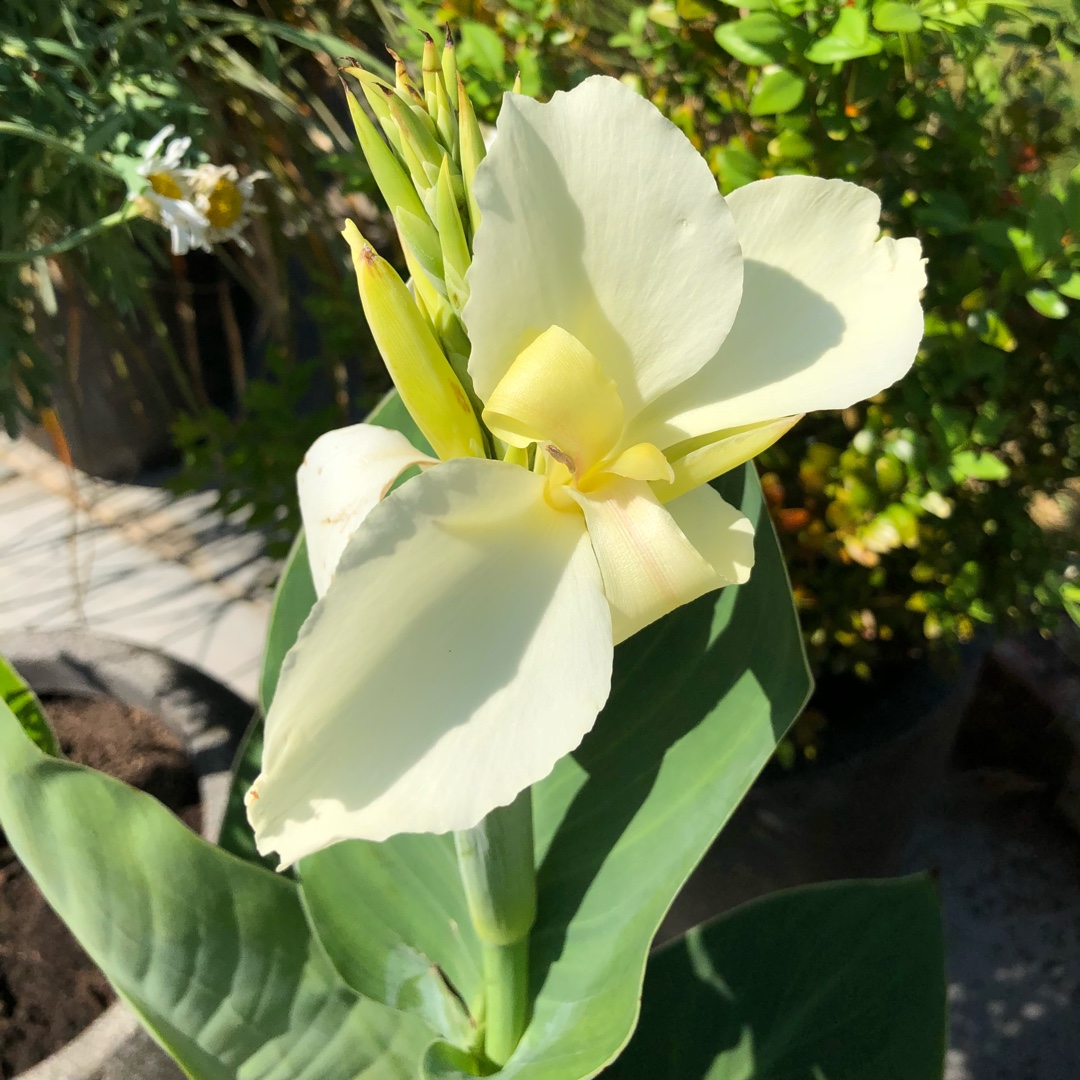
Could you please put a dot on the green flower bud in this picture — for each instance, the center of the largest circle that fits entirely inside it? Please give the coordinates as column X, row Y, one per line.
column 422, row 374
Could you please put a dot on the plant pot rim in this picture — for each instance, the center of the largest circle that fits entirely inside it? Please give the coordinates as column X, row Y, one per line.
column 207, row 716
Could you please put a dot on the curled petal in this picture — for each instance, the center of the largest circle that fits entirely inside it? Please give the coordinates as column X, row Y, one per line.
column 344, row 475
column 830, row 312
column 650, row 563
column 557, row 392
column 599, row 216
column 697, row 461
column 464, row 647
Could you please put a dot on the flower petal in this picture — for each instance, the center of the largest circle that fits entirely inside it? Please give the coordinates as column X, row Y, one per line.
column 649, row 563
column 464, row 647
column 597, row 215
column 830, row 314
column 697, row 461
column 723, row 535
column 344, row 475
column 556, row 392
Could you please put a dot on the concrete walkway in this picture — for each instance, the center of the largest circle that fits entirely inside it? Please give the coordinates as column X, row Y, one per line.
column 130, row 562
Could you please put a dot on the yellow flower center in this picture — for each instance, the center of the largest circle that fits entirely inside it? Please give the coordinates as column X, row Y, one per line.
column 164, row 185
column 226, row 204
column 557, row 395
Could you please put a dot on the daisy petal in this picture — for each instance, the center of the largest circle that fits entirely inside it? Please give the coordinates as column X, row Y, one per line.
column 464, row 647
column 344, row 475
column 597, row 215
column 649, row 563
column 830, row 313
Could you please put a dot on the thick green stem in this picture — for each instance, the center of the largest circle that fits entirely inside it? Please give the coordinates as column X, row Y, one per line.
column 506, row 980
column 498, row 872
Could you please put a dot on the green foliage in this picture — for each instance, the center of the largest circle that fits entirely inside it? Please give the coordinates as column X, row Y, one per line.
column 213, row 954
column 83, row 86
column 15, row 692
column 905, row 520
column 865, row 960
column 252, row 458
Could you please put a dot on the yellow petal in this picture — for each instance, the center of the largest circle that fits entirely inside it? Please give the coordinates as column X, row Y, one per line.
column 697, row 461
column 648, row 565
column 643, row 461
column 556, row 392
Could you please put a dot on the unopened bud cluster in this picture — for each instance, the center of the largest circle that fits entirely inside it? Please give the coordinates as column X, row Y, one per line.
column 423, row 145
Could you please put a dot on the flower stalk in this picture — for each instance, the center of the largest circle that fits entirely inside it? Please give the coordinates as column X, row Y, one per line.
column 499, row 875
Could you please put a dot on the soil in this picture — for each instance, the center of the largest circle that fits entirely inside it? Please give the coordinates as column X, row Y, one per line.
column 49, row 988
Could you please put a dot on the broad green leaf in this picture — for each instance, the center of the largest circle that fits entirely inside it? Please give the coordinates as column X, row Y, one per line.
column 896, row 18
column 697, row 705
column 22, row 701
column 236, row 836
column 831, row 981
column 972, row 465
column 778, row 92
column 756, row 39
column 393, row 919
column 849, row 39
column 293, row 599
column 1047, row 303
column 213, row 954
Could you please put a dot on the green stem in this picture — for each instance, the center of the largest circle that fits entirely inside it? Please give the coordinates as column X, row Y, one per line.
column 73, row 239
column 506, row 980
column 28, row 132
column 498, row 872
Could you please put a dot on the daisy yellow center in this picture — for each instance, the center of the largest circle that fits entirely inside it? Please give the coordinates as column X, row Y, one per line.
column 164, row 185
column 556, row 394
column 226, row 204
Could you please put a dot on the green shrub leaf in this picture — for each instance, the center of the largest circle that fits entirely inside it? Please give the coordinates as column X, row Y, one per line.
column 778, row 92
column 1047, row 302
column 756, row 39
column 896, row 18
column 849, row 39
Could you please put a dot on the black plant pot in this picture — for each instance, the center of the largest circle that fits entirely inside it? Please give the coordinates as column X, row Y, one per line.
column 850, row 816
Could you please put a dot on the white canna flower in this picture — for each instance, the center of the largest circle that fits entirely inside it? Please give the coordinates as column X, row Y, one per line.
column 634, row 335
column 168, row 199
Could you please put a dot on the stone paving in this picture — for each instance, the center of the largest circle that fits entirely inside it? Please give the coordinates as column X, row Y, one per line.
column 130, row 562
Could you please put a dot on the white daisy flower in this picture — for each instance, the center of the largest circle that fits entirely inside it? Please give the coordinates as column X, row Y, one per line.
column 168, row 198
column 225, row 201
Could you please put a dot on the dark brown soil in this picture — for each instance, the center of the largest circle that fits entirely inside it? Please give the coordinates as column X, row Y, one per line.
column 49, row 988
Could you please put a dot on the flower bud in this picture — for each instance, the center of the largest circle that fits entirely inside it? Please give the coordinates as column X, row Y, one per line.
column 455, row 248
column 472, row 150
column 422, row 374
